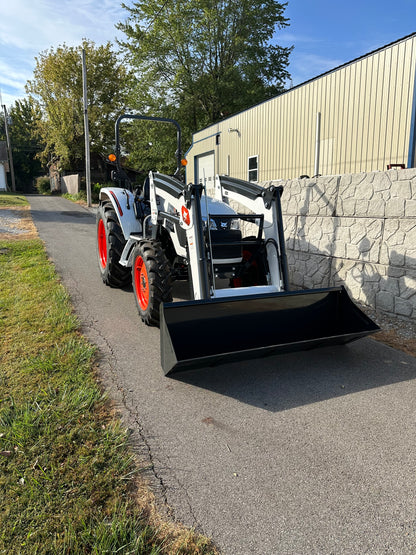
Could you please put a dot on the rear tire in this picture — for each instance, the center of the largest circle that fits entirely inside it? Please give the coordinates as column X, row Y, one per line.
column 110, row 245
column 151, row 277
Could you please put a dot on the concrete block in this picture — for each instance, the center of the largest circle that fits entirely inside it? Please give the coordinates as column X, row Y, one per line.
column 369, row 245
column 401, row 189
column 410, row 208
column 407, row 286
column 381, row 182
column 385, row 301
column 395, row 208
column 403, row 308
column 376, row 208
column 391, row 285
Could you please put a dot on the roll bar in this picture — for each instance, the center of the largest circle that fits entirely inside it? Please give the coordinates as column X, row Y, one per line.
column 150, row 118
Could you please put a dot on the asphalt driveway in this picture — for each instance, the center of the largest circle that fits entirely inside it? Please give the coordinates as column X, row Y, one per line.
column 298, row 454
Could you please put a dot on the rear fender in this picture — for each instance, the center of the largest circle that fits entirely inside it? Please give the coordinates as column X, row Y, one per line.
column 123, row 204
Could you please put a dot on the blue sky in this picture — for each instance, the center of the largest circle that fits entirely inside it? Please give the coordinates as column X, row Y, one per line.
column 325, row 33
column 328, row 33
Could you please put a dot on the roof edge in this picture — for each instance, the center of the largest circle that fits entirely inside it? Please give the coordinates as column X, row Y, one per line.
column 389, row 45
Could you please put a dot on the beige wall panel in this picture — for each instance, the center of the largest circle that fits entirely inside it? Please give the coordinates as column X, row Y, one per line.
column 365, row 122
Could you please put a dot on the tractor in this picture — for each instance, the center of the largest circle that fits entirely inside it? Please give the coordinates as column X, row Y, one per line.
column 230, row 248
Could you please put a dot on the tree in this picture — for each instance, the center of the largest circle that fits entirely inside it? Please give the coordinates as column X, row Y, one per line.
column 25, row 140
column 205, row 59
column 57, row 87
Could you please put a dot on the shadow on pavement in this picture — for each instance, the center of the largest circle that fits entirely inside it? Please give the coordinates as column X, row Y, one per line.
column 287, row 381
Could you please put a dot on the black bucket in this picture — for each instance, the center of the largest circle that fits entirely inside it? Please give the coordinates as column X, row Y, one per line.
column 196, row 334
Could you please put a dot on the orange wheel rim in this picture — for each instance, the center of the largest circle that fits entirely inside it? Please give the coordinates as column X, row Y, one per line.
column 102, row 245
column 141, row 282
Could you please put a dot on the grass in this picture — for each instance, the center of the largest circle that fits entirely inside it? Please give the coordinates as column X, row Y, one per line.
column 78, row 197
column 68, row 481
column 11, row 199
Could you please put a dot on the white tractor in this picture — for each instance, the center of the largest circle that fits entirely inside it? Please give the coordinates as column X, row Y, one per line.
column 240, row 305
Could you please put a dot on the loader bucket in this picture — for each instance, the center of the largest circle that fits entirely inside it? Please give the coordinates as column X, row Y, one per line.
column 196, row 334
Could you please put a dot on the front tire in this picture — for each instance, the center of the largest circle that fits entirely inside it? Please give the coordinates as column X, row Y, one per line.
column 151, row 277
column 110, row 245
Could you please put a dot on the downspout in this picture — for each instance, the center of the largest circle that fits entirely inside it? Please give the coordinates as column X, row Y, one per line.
column 412, row 139
column 317, row 143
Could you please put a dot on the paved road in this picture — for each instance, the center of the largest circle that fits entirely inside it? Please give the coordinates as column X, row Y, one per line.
column 298, row 454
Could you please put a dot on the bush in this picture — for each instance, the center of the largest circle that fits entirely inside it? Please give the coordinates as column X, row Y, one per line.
column 95, row 190
column 43, row 185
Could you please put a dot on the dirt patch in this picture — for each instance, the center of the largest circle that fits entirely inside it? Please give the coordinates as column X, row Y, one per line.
column 16, row 223
column 396, row 332
column 392, row 339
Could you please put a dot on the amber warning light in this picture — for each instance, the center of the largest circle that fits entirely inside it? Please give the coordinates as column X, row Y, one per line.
column 112, row 157
column 184, row 162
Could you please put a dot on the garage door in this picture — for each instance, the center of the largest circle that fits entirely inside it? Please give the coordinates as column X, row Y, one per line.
column 205, row 171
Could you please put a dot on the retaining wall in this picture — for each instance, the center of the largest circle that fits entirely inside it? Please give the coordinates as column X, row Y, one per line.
column 358, row 230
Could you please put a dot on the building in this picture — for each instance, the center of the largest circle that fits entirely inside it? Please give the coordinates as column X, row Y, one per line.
column 4, row 164
column 359, row 117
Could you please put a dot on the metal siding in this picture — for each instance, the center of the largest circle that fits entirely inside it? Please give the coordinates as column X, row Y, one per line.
column 405, row 83
column 365, row 122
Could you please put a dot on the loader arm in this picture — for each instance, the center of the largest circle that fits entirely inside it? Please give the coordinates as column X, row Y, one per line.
column 172, row 201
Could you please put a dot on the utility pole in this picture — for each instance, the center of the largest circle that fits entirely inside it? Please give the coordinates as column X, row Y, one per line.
column 86, row 130
column 9, row 148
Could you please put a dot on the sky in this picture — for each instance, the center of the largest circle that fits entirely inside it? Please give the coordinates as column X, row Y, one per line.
column 324, row 33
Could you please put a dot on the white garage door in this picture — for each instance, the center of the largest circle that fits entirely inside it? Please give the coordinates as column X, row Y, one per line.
column 2, row 178
column 205, row 171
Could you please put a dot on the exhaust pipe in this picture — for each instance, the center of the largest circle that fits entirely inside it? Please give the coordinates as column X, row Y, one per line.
column 198, row 334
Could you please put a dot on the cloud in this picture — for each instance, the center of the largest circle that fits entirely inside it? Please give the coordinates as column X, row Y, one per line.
column 304, row 66
column 35, row 26
column 28, row 27
column 294, row 38
column 13, row 77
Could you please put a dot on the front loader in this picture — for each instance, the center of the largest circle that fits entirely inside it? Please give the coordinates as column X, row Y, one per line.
column 235, row 262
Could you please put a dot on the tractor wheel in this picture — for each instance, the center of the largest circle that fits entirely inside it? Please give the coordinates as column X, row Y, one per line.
column 110, row 243
column 151, row 280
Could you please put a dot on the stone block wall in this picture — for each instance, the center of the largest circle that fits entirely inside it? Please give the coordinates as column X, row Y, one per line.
column 357, row 230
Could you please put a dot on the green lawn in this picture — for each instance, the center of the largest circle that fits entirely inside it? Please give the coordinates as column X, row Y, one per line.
column 11, row 199
column 68, row 481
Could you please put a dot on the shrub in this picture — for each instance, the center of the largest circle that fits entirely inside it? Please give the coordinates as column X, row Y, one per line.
column 43, row 185
column 95, row 190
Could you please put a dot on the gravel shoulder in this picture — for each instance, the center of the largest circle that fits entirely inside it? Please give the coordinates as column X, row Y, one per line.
column 16, row 223
column 395, row 332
